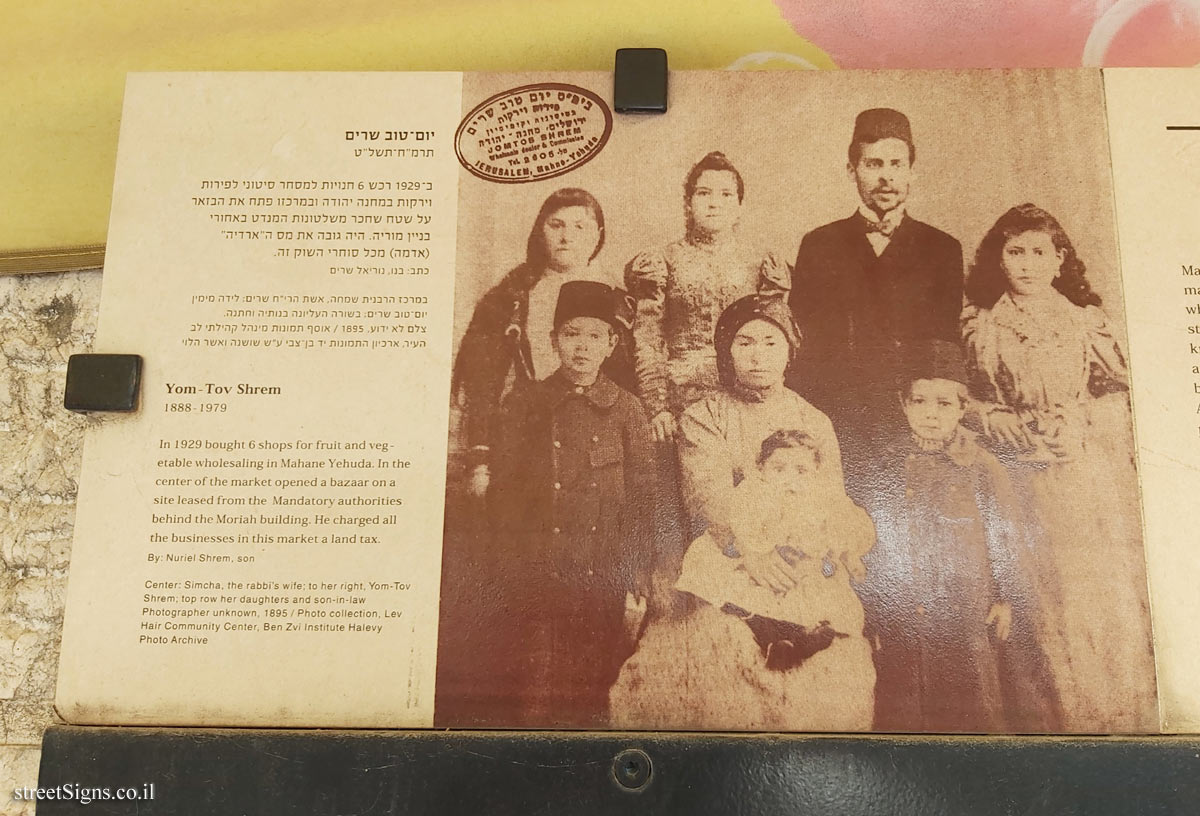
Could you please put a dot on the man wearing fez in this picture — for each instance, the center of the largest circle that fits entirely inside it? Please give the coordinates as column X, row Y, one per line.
column 868, row 289
column 571, row 502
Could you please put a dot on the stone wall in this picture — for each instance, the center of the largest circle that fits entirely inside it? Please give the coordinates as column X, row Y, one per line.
column 44, row 319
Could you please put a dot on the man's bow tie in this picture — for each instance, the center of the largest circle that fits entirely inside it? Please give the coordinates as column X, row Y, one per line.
column 885, row 227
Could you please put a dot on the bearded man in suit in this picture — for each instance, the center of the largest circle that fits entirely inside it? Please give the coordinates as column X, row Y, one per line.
column 869, row 292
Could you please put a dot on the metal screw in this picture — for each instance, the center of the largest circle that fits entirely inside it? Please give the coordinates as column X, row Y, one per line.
column 631, row 768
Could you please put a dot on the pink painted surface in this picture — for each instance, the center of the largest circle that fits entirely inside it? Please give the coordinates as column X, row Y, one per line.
column 999, row 33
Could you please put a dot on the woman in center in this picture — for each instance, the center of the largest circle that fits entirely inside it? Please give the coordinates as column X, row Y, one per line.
column 772, row 635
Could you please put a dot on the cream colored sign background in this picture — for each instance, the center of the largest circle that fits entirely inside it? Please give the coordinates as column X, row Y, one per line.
column 1156, row 175
column 178, row 132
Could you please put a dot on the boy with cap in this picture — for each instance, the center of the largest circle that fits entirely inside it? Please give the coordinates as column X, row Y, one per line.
column 571, row 502
column 950, row 596
column 868, row 288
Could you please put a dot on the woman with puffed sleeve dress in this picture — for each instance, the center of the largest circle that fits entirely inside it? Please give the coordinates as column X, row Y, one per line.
column 1052, row 382
column 679, row 292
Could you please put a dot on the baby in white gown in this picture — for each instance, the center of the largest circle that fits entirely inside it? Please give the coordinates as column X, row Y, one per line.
column 798, row 544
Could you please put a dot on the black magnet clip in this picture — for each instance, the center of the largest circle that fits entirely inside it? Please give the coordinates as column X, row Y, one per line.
column 103, row 382
column 640, row 81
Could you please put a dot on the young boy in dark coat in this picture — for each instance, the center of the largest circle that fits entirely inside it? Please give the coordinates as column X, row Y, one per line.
column 571, row 503
column 950, row 596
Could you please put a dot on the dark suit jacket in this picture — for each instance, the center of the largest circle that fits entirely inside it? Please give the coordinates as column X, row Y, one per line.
column 865, row 317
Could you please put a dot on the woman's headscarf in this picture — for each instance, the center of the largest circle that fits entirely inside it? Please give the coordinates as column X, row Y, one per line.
column 771, row 308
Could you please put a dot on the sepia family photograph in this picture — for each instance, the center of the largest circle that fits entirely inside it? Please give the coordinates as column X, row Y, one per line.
column 801, row 407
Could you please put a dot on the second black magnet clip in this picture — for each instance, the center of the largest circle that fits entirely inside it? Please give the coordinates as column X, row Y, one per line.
column 640, row 81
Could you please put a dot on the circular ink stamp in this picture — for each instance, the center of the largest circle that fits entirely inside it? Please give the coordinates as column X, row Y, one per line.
column 533, row 132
